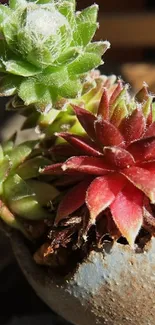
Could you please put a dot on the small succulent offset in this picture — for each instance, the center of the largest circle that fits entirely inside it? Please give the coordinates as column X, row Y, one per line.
column 46, row 50
column 21, row 191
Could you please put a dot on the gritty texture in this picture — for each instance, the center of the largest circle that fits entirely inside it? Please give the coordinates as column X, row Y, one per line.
column 112, row 287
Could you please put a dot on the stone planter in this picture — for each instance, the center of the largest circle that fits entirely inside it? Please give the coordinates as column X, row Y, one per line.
column 115, row 286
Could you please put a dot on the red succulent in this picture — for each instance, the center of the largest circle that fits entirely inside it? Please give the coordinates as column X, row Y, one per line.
column 113, row 164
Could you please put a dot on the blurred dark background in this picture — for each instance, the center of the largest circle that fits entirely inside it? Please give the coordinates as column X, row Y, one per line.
column 129, row 25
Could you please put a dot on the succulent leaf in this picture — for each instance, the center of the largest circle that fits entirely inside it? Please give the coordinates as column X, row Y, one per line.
column 99, row 48
column 21, row 152
column 45, row 192
column 84, row 164
column 118, row 157
column 5, row 168
column 22, row 199
column 85, row 25
column 9, row 85
column 8, row 217
column 133, row 127
column 102, row 192
column 103, row 109
column 32, row 92
column 150, row 132
column 14, row 4
column 4, row 12
column 84, row 144
column 127, row 212
column 84, row 62
column 67, row 206
column 20, row 68
column 107, row 134
column 87, row 120
column 30, row 168
column 143, row 179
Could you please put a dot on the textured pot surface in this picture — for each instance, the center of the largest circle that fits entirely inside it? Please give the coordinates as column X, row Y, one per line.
column 112, row 287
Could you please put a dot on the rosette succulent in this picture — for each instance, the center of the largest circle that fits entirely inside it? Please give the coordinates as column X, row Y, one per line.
column 112, row 167
column 46, row 50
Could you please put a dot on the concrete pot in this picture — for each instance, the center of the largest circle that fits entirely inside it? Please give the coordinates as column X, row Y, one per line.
column 115, row 286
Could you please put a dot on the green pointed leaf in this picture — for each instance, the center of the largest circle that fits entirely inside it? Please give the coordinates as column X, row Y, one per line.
column 153, row 111
column 131, row 106
column 147, row 107
column 5, row 53
column 4, row 12
column 84, row 33
column 21, row 68
column 48, row 119
column 39, row 54
column 77, row 128
column 8, row 217
column 29, row 208
column 8, row 147
column 9, row 85
column 10, row 29
column 21, row 152
column 117, row 100
column 32, row 92
column 73, row 2
column 66, row 8
column 88, row 14
column 22, row 199
column 63, row 122
column 86, row 25
column 30, row 168
column 45, row 192
column 25, row 41
column 15, row 4
column 98, row 48
column 120, row 112
column 69, row 55
column 84, row 63
column 53, row 77
column 71, row 89
column 5, row 167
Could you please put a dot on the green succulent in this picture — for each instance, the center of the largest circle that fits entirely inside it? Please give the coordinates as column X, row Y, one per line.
column 46, row 50
column 24, row 195
column 62, row 116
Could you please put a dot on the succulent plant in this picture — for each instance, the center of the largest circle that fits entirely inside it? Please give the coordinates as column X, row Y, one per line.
column 23, row 194
column 90, row 174
column 111, row 166
column 87, row 184
column 62, row 116
column 46, row 50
